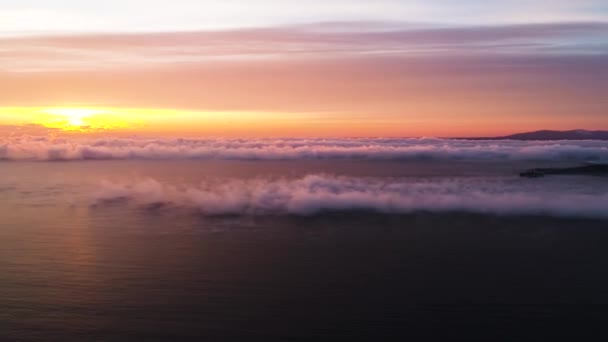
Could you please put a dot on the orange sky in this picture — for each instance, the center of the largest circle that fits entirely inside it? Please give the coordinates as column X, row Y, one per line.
column 298, row 82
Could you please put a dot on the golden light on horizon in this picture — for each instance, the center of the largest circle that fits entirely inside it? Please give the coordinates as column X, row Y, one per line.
column 69, row 119
column 72, row 118
column 155, row 121
column 158, row 122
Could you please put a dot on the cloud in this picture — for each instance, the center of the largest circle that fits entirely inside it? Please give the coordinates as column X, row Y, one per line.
column 314, row 194
column 92, row 51
column 28, row 129
column 119, row 15
column 66, row 149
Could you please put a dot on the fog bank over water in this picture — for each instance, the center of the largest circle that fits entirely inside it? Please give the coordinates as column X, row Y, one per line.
column 59, row 149
column 314, row 194
column 301, row 187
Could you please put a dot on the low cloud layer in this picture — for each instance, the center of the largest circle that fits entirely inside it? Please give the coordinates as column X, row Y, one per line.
column 47, row 149
column 314, row 194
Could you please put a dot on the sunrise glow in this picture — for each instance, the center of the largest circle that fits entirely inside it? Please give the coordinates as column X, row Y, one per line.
column 345, row 69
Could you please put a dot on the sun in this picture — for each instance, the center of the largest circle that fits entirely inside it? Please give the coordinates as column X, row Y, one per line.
column 76, row 120
column 71, row 118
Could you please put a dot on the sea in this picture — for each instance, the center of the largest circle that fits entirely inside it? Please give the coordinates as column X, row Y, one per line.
column 301, row 249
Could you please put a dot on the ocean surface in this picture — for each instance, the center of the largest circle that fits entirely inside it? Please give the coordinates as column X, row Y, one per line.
column 300, row 249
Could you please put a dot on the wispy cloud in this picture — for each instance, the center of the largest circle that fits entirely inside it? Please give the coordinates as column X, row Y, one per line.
column 299, row 42
column 156, row 15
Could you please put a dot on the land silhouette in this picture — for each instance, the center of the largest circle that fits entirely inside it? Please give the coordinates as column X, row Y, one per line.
column 577, row 134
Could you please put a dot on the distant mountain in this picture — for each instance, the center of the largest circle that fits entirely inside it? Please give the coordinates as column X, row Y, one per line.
column 579, row 134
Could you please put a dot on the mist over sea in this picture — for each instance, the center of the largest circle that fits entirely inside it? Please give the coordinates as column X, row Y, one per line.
column 181, row 240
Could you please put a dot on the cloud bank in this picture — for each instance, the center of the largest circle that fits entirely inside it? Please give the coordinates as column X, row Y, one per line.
column 315, row 194
column 47, row 149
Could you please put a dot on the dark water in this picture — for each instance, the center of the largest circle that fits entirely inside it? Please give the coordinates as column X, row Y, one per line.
column 76, row 269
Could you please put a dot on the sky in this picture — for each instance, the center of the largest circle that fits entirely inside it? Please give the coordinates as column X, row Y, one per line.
column 267, row 68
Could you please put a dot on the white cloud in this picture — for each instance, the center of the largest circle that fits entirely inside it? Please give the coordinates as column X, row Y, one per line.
column 44, row 149
column 159, row 15
column 314, row 194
